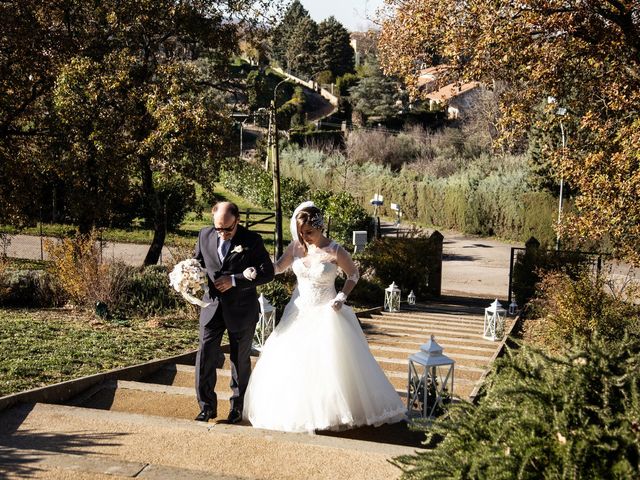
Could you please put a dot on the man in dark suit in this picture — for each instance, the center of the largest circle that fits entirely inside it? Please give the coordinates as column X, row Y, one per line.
column 236, row 262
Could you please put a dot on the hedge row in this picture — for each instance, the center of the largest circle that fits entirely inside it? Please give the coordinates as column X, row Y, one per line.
column 478, row 200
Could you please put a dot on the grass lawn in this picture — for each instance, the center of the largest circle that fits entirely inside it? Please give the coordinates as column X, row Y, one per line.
column 42, row 347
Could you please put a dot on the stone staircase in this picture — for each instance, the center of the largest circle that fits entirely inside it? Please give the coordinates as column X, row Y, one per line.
column 145, row 428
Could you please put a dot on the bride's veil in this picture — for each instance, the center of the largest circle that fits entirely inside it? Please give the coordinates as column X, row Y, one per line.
column 293, row 224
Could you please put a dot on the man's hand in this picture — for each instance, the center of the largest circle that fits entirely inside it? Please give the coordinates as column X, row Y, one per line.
column 223, row 283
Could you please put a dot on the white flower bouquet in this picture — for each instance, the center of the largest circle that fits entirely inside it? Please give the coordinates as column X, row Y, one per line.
column 189, row 279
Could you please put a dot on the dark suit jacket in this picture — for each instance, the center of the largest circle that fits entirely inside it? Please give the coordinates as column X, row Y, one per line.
column 240, row 307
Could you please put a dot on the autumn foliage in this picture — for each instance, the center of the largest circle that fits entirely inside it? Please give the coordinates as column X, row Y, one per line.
column 585, row 54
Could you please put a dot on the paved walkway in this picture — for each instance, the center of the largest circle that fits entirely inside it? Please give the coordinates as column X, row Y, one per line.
column 474, row 267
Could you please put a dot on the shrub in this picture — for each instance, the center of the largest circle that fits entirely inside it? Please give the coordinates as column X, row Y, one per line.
column 343, row 212
column 278, row 292
column 385, row 260
column 76, row 266
column 30, row 289
column 573, row 416
column 147, row 292
column 532, row 265
column 345, row 82
column 576, row 308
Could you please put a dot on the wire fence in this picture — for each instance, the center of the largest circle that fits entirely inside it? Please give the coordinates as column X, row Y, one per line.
column 32, row 245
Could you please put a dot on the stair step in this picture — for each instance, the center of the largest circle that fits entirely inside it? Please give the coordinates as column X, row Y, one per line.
column 424, row 324
column 152, row 399
column 415, row 345
column 175, row 446
column 420, row 338
column 432, row 317
column 462, row 354
column 435, row 330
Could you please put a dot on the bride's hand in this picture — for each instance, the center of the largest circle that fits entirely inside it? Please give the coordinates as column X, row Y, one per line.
column 337, row 302
column 336, row 305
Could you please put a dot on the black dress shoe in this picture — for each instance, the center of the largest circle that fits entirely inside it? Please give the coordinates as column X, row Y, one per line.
column 235, row 416
column 206, row 414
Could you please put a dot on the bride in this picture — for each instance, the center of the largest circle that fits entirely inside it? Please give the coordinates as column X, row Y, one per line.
column 315, row 371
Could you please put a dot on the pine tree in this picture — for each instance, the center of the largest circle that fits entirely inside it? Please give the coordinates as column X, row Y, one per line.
column 376, row 94
column 334, row 48
column 281, row 35
column 301, row 48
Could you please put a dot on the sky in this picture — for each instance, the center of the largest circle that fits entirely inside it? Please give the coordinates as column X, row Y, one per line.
column 350, row 13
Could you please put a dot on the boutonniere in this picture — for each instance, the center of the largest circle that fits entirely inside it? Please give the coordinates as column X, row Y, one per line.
column 238, row 249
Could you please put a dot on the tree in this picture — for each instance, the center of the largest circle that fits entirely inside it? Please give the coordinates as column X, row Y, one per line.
column 282, row 32
column 114, row 100
column 334, row 48
column 301, row 48
column 584, row 54
column 376, row 94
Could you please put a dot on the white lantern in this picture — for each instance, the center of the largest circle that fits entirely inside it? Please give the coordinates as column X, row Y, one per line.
column 392, row 298
column 430, row 381
column 513, row 307
column 266, row 323
column 411, row 298
column 494, row 321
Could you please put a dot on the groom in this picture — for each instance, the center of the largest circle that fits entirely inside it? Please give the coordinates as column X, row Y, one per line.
column 226, row 250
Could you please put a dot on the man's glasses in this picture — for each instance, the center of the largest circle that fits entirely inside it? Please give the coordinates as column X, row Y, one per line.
column 225, row 229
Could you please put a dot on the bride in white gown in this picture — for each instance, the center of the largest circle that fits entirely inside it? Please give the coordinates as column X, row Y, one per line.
column 315, row 371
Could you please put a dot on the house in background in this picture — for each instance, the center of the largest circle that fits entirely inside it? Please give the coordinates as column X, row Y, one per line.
column 364, row 44
column 454, row 97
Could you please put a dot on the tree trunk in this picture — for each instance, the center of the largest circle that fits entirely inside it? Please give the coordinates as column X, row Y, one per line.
column 159, row 234
column 151, row 198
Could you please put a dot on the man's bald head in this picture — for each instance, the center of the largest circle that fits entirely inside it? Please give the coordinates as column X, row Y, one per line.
column 225, row 219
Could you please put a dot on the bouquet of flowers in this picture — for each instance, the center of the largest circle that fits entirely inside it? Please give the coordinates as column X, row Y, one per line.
column 188, row 278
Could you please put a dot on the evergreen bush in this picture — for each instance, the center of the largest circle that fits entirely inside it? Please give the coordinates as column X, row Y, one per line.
column 147, row 292
column 543, row 417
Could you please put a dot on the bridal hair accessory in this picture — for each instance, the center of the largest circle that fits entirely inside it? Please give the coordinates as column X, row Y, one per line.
column 188, row 278
column 317, row 221
column 293, row 225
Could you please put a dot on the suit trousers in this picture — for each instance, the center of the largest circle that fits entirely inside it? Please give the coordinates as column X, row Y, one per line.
column 210, row 357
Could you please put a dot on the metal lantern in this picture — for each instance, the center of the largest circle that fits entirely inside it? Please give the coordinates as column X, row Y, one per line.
column 392, row 298
column 430, row 381
column 494, row 321
column 513, row 307
column 411, row 298
column 266, row 323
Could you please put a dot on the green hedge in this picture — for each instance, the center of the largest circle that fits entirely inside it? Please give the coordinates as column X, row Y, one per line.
column 483, row 199
column 253, row 183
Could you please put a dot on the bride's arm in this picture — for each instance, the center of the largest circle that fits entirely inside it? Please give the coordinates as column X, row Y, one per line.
column 285, row 261
column 345, row 262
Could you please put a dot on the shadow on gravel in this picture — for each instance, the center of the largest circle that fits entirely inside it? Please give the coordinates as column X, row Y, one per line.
column 16, row 446
column 449, row 257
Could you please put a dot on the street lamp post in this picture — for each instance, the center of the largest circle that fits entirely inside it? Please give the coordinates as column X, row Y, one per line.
column 560, row 112
column 276, row 174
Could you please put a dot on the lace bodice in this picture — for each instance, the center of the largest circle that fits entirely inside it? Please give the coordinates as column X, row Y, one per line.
column 316, row 271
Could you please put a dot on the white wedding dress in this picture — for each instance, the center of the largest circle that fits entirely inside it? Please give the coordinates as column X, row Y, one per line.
column 315, row 371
